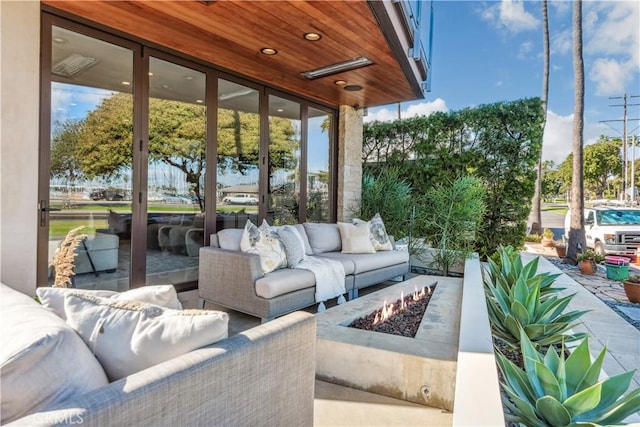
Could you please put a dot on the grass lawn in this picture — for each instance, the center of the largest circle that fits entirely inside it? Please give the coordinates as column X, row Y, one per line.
column 60, row 228
column 559, row 209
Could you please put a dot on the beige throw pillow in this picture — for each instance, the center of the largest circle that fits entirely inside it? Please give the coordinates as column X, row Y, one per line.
column 162, row 295
column 355, row 238
column 129, row 336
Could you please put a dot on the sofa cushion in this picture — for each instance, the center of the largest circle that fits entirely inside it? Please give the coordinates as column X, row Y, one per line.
column 368, row 262
column 377, row 233
column 42, row 360
column 323, row 237
column 230, row 238
column 355, row 238
column 305, row 239
column 283, row 281
column 162, row 295
column 129, row 336
column 264, row 242
column 292, row 243
column 347, row 263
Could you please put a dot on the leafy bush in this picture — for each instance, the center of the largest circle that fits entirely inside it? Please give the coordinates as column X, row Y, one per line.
column 515, row 300
column 390, row 196
column 534, row 238
column 552, row 391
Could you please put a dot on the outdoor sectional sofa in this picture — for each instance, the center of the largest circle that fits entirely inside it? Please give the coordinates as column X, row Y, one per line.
column 234, row 279
column 262, row 376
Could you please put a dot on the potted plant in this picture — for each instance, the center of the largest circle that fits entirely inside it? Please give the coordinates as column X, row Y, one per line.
column 561, row 248
column 632, row 288
column 547, row 238
column 588, row 260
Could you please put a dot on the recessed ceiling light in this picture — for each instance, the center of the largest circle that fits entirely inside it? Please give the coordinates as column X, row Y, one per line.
column 337, row 68
column 280, row 110
column 150, row 73
column 268, row 51
column 353, row 88
column 312, row 37
column 59, row 40
column 340, row 82
column 126, row 83
column 188, row 77
column 165, row 86
column 199, row 101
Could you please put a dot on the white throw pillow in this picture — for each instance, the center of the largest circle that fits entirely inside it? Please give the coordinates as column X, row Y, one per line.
column 42, row 360
column 162, row 295
column 265, row 243
column 377, row 233
column 129, row 336
column 355, row 238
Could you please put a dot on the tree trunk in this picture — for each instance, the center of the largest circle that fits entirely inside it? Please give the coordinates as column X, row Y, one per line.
column 576, row 233
column 536, row 215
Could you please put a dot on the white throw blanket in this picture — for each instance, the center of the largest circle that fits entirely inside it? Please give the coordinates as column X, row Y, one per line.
column 329, row 278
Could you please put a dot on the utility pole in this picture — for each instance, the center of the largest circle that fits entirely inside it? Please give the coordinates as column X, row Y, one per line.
column 625, row 168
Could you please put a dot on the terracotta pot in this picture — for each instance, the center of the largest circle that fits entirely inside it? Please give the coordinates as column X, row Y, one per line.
column 561, row 250
column 632, row 290
column 547, row 241
column 587, row 266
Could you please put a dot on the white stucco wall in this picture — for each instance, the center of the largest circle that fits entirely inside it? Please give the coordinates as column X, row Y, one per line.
column 19, row 123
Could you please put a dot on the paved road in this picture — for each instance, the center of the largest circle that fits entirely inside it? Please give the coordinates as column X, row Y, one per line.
column 554, row 221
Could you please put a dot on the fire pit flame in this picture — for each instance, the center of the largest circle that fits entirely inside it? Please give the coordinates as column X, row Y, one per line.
column 388, row 309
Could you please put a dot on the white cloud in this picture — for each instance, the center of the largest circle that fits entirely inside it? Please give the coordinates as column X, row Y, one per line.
column 558, row 136
column 511, row 15
column 612, row 42
column 524, row 51
column 561, row 43
column 386, row 114
column 561, row 7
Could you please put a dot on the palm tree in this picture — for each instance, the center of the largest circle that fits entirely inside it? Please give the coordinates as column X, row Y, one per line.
column 576, row 233
column 536, row 216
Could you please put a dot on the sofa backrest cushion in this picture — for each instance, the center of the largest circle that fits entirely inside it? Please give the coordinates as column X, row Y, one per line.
column 230, row 238
column 42, row 360
column 162, row 295
column 323, row 237
column 129, row 336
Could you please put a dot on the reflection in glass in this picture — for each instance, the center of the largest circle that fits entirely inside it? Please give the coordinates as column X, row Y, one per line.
column 318, row 177
column 284, row 161
column 238, row 153
column 90, row 157
column 175, row 188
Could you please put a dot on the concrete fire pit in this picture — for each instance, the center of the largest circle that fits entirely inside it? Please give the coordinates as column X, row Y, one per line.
column 420, row 369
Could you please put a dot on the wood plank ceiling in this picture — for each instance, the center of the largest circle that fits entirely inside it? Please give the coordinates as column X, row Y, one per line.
column 230, row 34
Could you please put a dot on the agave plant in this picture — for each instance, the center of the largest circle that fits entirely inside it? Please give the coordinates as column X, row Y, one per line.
column 511, row 268
column 552, row 391
column 521, row 305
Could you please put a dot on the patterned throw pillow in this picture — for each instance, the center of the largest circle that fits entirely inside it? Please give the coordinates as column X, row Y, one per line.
column 264, row 242
column 377, row 233
column 293, row 244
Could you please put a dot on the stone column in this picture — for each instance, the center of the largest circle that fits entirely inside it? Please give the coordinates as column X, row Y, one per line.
column 349, row 161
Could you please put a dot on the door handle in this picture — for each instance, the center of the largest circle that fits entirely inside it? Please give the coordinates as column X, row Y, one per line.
column 44, row 210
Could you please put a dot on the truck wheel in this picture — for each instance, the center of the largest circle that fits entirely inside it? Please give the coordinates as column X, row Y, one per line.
column 598, row 248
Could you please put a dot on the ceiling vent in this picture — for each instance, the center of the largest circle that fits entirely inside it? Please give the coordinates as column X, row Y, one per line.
column 73, row 64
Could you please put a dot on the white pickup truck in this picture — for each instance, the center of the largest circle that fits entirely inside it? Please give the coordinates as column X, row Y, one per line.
column 610, row 230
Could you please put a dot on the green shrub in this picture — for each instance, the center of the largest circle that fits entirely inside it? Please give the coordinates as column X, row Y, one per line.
column 533, row 238
column 552, row 391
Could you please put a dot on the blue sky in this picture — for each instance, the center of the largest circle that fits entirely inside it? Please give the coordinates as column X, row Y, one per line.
column 490, row 51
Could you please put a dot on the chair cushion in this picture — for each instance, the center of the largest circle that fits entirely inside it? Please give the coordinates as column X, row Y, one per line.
column 355, row 238
column 129, row 336
column 323, row 237
column 368, row 262
column 347, row 264
column 264, row 242
column 283, row 281
column 229, row 238
column 162, row 295
column 42, row 360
